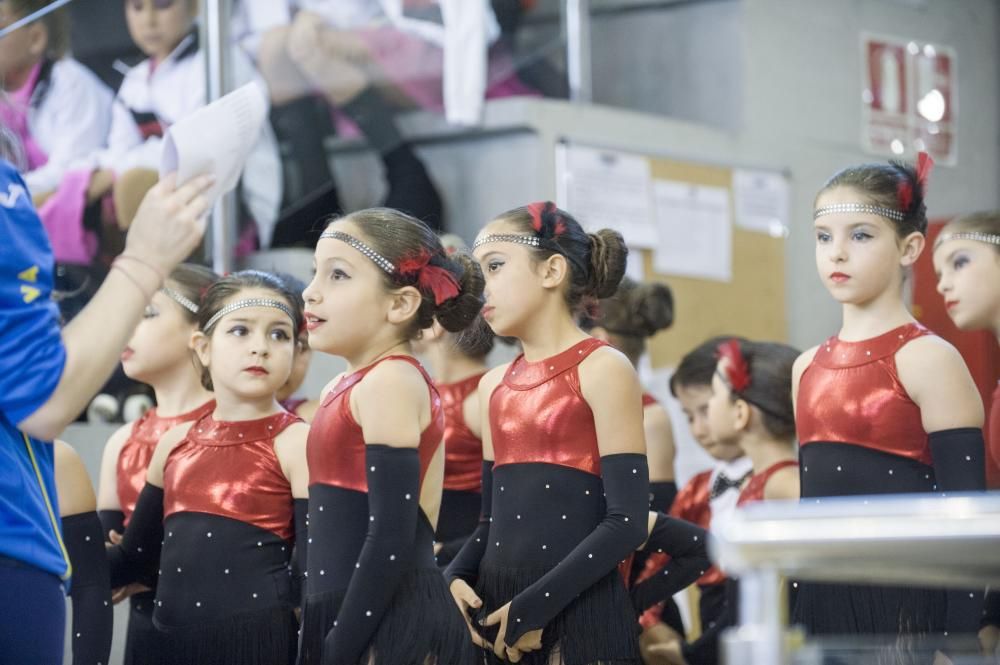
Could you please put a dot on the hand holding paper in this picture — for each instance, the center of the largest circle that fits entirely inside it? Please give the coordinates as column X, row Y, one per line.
column 216, row 139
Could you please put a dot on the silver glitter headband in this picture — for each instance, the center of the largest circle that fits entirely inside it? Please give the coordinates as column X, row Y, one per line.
column 991, row 238
column 180, row 299
column 888, row 213
column 516, row 238
column 376, row 258
column 249, row 302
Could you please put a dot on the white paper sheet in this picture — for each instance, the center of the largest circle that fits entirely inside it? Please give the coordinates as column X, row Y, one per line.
column 694, row 222
column 216, row 139
column 635, row 267
column 608, row 189
column 761, row 202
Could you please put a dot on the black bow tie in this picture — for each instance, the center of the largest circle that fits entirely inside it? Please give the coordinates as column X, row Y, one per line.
column 724, row 483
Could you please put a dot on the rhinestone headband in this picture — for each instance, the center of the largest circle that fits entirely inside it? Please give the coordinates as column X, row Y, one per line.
column 376, row 258
column 516, row 238
column 991, row 238
column 888, row 213
column 250, row 302
column 180, row 299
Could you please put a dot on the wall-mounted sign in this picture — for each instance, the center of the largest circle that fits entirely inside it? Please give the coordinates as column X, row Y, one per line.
column 909, row 98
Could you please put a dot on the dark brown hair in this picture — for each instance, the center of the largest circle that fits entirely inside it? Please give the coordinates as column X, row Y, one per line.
column 220, row 293
column 978, row 222
column 697, row 367
column 634, row 313
column 596, row 260
column 191, row 281
column 477, row 340
column 770, row 389
column 400, row 237
column 880, row 185
column 56, row 24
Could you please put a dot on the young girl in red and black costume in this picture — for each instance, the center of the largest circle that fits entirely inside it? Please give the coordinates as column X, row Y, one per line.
column 93, row 617
column 225, row 495
column 750, row 407
column 303, row 407
column 967, row 262
column 626, row 320
column 884, row 406
column 159, row 354
column 374, row 593
column 458, row 362
column 709, row 494
column 565, row 480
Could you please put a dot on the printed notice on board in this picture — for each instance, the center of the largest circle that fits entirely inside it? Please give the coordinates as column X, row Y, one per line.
column 761, row 202
column 694, row 221
column 608, row 189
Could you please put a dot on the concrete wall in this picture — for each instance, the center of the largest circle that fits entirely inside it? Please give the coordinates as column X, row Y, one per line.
column 783, row 79
column 803, row 109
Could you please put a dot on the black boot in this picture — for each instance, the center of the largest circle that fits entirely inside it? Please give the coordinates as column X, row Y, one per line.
column 310, row 193
column 410, row 187
column 302, row 125
column 301, row 225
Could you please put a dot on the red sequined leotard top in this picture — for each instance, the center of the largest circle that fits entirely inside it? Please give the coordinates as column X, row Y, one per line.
column 851, row 394
column 134, row 456
column 336, row 448
column 463, row 450
column 540, row 403
column 230, row 469
column 754, row 489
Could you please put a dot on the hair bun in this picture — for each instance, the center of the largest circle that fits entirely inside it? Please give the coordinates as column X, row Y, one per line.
column 608, row 255
column 653, row 305
column 456, row 314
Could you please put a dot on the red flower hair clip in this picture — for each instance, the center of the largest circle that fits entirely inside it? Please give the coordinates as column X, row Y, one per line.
column 435, row 279
column 542, row 210
column 904, row 192
column 737, row 370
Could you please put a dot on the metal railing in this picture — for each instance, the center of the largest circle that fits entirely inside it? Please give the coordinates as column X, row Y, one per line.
column 933, row 541
column 215, row 35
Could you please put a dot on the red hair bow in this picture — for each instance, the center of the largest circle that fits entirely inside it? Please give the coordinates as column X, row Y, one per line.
column 904, row 191
column 435, row 279
column 538, row 211
column 737, row 369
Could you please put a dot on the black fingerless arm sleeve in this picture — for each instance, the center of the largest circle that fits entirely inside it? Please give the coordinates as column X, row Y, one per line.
column 686, row 544
column 960, row 466
column 90, row 589
column 111, row 520
column 136, row 558
column 301, row 548
column 623, row 529
column 465, row 565
column 393, row 506
column 959, row 459
column 991, row 609
column 662, row 495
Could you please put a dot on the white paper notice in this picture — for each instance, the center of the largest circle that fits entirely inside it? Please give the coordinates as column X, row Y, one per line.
column 635, row 267
column 761, row 202
column 694, row 222
column 216, row 139
column 609, row 189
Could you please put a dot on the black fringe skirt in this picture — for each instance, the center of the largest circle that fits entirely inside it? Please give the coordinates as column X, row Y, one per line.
column 599, row 627
column 422, row 626
column 265, row 637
